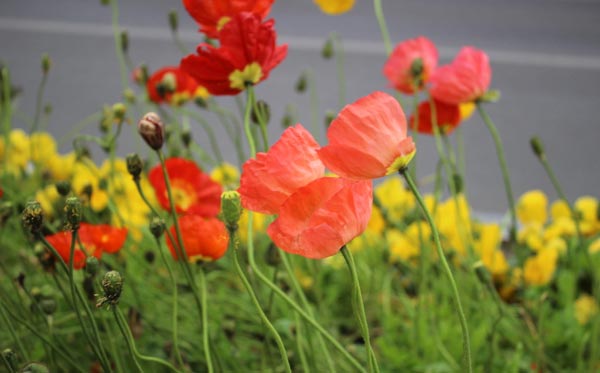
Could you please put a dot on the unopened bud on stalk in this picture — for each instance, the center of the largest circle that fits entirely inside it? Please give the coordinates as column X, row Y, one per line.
column 112, row 285
column 91, row 266
column 33, row 217
column 152, row 130
column 231, row 209
column 48, row 306
column 301, row 83
column 157, row 227
column 10, row 359
column 124, row 41
column 186, row 138
column 73, row 212
column 134, row 165
column 46, row 63
column 537, row 147
column 118, row 110
column 261, row 111
column 140, row 74
column 327, row 51
column 329, row 117
column 287, row 120
column 200, row 102
column 35, row 368
column 129, row 96
column 458, row 183
column 173, row 20
column 63, row 187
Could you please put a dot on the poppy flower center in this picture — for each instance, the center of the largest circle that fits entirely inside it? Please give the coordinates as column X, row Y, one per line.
column 251, row 74
column 183, row 195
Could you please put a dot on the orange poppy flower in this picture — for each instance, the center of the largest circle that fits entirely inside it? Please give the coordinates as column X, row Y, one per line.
column 411, row 64
column 171, row 85
column 447, row 117
column 272, row 177
column 203, row 238
column 102, row 237
column 465, row 79
column 61, row 241
column 321, row 217
column 368, row 139
column 246, row 55
column 212, row 15
column 193, row 191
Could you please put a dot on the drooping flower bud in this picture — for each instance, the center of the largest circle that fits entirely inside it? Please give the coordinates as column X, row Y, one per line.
column 33, row 217
column 112, row 285
column 157, row 227
column 537, row 147
column 124, row 39
column 231, row 209
column 73, row 212
column 63, row 187
column 152, row 130
column 327, row 51
column 134, row 165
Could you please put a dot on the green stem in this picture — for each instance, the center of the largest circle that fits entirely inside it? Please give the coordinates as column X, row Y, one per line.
column 505, row 175
column 385, row 35
column 247, row 130
column 79, row 126
column 360, row 309
column 415, row 132
column 15, row 337
column 250, row 290
column 214, row 145
column 205, row 321
column 117, row 41
column 314, row 103
column 339, row 64
column 299, row 343
column 448, row 271
column 38, row 102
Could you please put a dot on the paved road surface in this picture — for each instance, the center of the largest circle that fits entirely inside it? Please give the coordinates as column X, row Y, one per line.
column 545, row 56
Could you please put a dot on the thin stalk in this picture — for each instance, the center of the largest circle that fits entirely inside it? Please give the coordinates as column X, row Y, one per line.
column 209, row 132
column 114, row 6
column 6, row 110
column 247, row 130
column 448, row 271
column 203, row 292
column 360, row 309
column 15, row 337
column 250, row 290
column 314, row 103
column 299, row 343
column 505, row 175
column 385, row 35
column 462, row 161
column 79, row 126
column 339, row 65
column 415, row 132
column 38, row 102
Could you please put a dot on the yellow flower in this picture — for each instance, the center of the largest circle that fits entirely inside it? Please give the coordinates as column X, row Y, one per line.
column 259, row 225
column 401, row 247
column 304, row 280
column 557, row 244
column 560, row 209
column 376, row 223
column 334, row 7
column 587, row 209
column 559, row 228
column 86, row 180
column 43, row 148
column 585, row 308
column 61, row 167
column 532, row 236
column 47, row 197
column 227, row 175
column 453, row 220
column 16, row 152
column 395, row 198
column 594, row 246
column 532, row 207
column 539, row 269
column 487, row 247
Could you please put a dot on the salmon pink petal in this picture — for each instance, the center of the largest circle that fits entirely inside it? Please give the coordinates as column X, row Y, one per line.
column 447, row 116
column 368, row 134
column 398, row 69
column 317, row 220
column 272, row 177
column 466, row 79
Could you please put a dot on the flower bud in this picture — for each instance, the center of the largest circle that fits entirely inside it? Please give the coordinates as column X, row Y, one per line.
column 149, row 256
column 287, row 121
column 124, row 39
column 537, row 146
column 91, row 266
column 152, row 130
column 73, row 212
column 157, row 227
column 32, row 217
column 458, row 183
column 134, row 165
column 129, row 96
column 46, row 63
column 10, row 359
column 173, row 20
column 48, row 306
column 200, row 102
column 301, row 83
column 329, row 117
column 63, row 187
column 416, row 69
column 231, row 209
column 186, row 138
column 112, row 285
column 140, row 74
column 118, row 111
column 327, row 51
column 261, row 112
column 35, row 368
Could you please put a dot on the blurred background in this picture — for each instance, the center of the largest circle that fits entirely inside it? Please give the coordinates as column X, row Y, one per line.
column 545, row 56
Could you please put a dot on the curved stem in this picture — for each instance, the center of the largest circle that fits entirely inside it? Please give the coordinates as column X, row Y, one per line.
column 360, row 309
column 505, row 175
column 247, row 130
column 447, row 270
column 209, row 364
column 250, row 290
column 314, row 103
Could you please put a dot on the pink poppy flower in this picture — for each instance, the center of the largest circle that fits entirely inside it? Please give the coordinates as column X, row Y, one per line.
column 321, row 217
column 411, row 64
column 368, row 139
column 447, row 117
column 466, row 79
column 272, row 177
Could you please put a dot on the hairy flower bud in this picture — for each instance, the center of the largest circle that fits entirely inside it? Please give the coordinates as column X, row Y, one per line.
column 112, row 285
column 33, row 217
column 46, row 63
column 91, row 266
column 118, row 111
column 537, row 146
column 231, row 209
column 173, row 20
column 63, row 187
column 73, row 212
column 10, row 359
column 157, row 227
column 301, row 83
column 327, row 51
column 124, row 39
column 152, row 130
column 134, row 165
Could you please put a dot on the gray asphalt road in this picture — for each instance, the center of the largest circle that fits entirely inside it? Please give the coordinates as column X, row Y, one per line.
column 545, row 57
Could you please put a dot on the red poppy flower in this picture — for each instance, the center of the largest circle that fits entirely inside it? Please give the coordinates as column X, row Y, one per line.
column 203, row 238
column 102, row 237
column 171, row 85
column 212, row 15
column 466, row 79
column 272, row 177
column 321, row 217
column 368, row 139
column 246, row 55
column 193, row 191
column 447, row 117
column 411, row 64
column 61, row 241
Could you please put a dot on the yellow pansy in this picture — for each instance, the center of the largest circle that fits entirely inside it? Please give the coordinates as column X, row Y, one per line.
column 43, row 148
column 587, row 209
column 585, row 308
column 395, row 198
column 47, row 197
column 539, row 269
column 401, row 248
column 334, row 7
column 532, row 207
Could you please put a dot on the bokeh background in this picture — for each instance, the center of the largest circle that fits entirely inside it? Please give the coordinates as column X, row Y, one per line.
column 545, row 56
